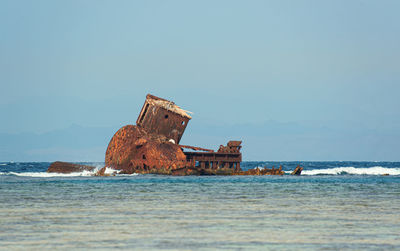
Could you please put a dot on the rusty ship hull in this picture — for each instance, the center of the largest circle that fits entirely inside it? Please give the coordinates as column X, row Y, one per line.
column 152, row 147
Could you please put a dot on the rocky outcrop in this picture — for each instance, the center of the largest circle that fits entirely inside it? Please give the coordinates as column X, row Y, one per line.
column 262, row 171
column 65, row 167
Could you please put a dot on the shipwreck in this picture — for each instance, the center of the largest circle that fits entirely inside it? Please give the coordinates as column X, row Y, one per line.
column 152, row 146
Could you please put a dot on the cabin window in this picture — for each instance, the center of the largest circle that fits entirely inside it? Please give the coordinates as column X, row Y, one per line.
column 183, row 123
column 166, row 116
column 144, row 156
column 144, row 113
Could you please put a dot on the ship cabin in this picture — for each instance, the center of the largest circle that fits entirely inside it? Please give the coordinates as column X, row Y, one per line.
column 163, row 117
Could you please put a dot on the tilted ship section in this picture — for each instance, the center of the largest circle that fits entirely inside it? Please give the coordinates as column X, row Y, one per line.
column 162, row 117
column 152, row 146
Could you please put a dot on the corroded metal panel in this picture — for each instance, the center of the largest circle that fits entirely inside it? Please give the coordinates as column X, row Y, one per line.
column 162, row 117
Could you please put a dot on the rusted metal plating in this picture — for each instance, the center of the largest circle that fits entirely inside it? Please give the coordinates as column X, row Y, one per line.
column 228, row 157
column 152, row 146
column 162, row 117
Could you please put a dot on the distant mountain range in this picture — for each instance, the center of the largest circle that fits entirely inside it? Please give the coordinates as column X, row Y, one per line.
column 268, row 141
column 75, row 143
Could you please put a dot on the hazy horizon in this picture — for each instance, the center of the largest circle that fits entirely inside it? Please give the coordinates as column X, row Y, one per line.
column 294, row 80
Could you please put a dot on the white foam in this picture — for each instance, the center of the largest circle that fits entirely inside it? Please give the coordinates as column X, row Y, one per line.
column 133, row 174
column 3, row 164
column 47, row 175
column 110, row 171
column 376, row 170
column 107, row 171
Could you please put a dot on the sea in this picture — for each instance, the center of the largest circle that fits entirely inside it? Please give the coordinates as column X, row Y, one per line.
column 331, row 206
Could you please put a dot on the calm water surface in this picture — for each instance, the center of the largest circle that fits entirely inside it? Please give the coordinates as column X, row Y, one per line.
column 337, row 205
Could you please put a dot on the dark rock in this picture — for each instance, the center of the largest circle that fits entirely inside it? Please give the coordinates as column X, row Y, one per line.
column 65, row 167
column 264, row 171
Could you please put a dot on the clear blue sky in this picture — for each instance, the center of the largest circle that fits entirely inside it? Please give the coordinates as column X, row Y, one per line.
column 295, row 80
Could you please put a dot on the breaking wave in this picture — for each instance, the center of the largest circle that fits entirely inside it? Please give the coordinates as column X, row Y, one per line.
column 376, row 170
column 108, row 172
column 111, row 171
column 133, row 174
column 48, row 175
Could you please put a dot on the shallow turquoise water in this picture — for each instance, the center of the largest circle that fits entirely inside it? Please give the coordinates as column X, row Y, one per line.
column 145, row 212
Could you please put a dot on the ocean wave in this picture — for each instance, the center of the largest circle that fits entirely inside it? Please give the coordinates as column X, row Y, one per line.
column 376, row 170
column 133, row 174
column 48, row 175
column 108, row 172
